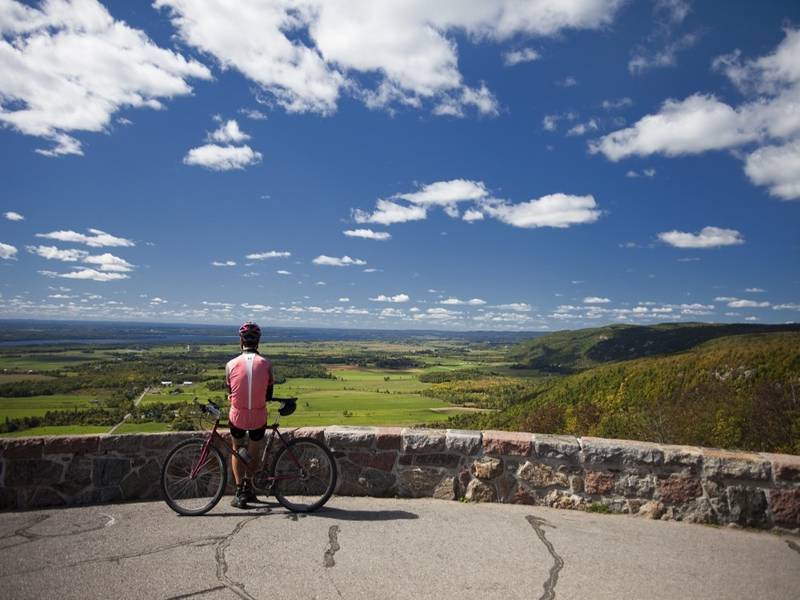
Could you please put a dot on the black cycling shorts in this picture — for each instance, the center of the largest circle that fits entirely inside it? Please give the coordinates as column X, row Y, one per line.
column 256, row 435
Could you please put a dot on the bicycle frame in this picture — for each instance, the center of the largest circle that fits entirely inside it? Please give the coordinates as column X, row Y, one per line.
column 274, row 429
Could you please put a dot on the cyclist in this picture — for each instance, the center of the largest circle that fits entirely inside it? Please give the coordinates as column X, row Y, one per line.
column 249, row 380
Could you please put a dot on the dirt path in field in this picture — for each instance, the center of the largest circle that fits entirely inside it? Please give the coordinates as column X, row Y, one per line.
column 126, row 417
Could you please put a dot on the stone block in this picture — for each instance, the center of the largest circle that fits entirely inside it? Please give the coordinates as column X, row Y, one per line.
column 487, row 468
column 678, row 490
column 85, row 444
column 128, row 444
column 652, row 509
column 785, row 505
column 725, row 464
column 349, row 483
column 540, row 475
column 346, row 438
column 383, row 461
column 507, row 443
column 687, row 457
column 621, row 452
column 166, row 440
column 32, row 471
column 419, row 482
column 561, row 447
column 463, row 441
column 747, row 506
column 21, row 448
column 632, row 485
column 45, row 496
column 446, row 490
column 79, row 471
column 316, row 433
column 388, row 438
column 598, row 483
column 109, row 471
column 378, row 482
column 422, row 441
column 448, row 461
column 505, row 486
column 480, row 491
column 564, row 500
column 523, row 495
column 785, row 467
column 576, row 484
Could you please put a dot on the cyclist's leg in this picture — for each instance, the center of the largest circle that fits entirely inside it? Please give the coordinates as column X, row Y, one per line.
column 237, row 467
column 254, row 448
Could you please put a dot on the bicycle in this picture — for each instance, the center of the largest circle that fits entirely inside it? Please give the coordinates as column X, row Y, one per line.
column 302, row 475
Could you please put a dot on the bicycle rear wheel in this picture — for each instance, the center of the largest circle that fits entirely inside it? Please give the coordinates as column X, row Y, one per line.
column 193, row 495
column 305, row 473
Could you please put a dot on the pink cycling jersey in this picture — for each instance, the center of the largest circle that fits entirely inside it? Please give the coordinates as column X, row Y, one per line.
column 248, row 377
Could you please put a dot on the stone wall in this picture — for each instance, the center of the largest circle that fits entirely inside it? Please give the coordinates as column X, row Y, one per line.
column 699, row 485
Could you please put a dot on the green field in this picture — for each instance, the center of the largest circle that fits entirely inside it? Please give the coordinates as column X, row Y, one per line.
column 39, row 405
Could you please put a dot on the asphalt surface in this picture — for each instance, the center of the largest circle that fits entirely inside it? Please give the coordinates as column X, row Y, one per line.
column 384, row 548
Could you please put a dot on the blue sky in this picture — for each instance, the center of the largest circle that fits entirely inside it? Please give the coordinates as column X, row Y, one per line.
column 498, row 165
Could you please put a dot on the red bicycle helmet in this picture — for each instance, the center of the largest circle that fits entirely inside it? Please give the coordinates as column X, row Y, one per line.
column 250, row 333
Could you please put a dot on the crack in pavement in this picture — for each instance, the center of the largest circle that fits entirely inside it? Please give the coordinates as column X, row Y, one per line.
column 333, row 546
column 198, row 592
column 558, row 562
column 117, row 558
column 222, row 564
column 327, row 558
column 793, row 545
column 30, row 536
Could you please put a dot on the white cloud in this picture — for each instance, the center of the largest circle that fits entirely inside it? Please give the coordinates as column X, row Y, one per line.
column 222, row 158
column 550, row 122
column 516, row 57
column 755, row 290
column 283, row 272
column 701, row 122
column 596, row 300
column 649, row 172
column 371, row 270
column 665, row 56
column 226, row 263
column 97, row 239
column 568, row 81
column 69, row 66
column 90, row 274
column 54, row 253
column 471, row 215
column 615, row 104
column 443, row 193
column 333, row 261
column 476, row 302
column 228, row 133
column 253, row 114
column 388, row 212
column 157, row 300
column 697, row 124
column 708, row 237
column 791, row 306
column 320, row 283
column 305, row 55
column 13, row 216
column 739, row 303
column 7, row 251
column 515, row 306
column 368, row 234
column 109, row 262
column 395, row 313
column 583, row 128
column 256, row 307
column 553, row 210
column 438, row 314
column 269, row 254
column 344, row 299
column 777, row 167
column 398, row 298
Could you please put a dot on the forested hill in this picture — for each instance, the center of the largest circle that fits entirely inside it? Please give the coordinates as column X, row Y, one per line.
column 738, row 391
column 573, row 351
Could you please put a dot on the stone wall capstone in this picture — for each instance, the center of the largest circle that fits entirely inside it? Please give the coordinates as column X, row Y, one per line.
column 657, row 481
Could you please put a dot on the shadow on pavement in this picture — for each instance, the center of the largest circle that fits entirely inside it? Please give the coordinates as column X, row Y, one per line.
column 363, row 515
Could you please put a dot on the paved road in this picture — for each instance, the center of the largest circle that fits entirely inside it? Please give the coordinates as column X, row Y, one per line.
column 370, row 548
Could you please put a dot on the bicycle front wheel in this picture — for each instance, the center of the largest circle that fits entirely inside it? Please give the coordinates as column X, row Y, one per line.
column 193, row 480
column 305, row 475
